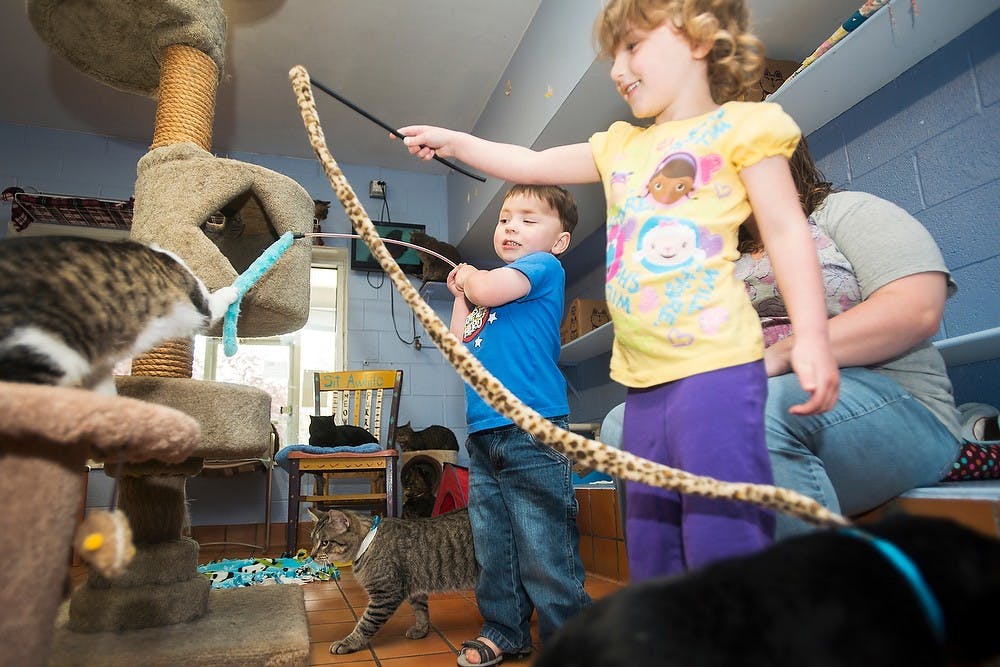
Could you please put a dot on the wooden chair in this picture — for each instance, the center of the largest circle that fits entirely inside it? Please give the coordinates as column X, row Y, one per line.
column 359, row 398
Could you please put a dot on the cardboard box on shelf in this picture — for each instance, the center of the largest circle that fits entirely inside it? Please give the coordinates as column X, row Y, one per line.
column 776, row 72
column 583, row 316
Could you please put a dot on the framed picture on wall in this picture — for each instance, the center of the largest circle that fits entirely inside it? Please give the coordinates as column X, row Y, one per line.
column 407, row 258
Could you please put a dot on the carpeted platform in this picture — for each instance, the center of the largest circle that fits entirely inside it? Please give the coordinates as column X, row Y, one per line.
column 259, row 625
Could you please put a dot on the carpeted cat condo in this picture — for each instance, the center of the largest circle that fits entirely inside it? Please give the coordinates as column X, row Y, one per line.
column 216, row 214
column 220, row 215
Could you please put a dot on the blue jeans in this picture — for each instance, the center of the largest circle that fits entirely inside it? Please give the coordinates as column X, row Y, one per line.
column 877, row 442
column 523, row 512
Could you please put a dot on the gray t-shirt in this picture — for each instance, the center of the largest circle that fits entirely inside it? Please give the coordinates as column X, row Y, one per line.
column 864, row 243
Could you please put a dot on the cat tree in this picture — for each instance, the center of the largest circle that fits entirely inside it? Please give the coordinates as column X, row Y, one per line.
column 173, row 51
column 46, row 436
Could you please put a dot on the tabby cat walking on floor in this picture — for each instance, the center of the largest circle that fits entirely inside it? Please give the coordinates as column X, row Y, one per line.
column 71, row 308
column 404, row 559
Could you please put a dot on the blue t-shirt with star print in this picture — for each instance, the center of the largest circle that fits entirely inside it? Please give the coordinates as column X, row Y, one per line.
column 518, row 343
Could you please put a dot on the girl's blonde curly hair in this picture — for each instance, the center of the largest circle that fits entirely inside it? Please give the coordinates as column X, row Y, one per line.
column 736, row 60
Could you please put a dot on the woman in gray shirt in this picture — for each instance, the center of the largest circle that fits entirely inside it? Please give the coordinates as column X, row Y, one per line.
column 895, row 425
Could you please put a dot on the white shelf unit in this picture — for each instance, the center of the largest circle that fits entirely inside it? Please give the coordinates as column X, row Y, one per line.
column 970, row 348
column 876, row 52
column 588, row 345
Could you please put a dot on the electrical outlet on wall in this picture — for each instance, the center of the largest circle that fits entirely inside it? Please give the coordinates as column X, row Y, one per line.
column 376, row 189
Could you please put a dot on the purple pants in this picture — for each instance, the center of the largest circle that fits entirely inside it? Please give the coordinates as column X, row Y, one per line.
column 707, row 424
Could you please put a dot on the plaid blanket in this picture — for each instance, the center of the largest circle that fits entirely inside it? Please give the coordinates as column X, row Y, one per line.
column 64, row 210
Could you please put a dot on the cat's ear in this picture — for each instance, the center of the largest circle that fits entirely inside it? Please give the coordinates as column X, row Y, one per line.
column 338, row 521
column 316, row 515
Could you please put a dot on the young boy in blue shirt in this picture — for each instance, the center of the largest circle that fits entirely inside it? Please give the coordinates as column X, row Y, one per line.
column 521, row 501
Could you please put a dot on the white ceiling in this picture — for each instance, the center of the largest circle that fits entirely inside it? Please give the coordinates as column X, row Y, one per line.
column 405, row 61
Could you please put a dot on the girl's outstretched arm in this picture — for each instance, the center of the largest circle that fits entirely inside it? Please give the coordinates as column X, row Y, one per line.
column 785, row 233
column 560, row 165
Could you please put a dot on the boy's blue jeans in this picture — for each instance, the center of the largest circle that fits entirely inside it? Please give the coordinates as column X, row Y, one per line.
column 523, row 512
column 877, row 442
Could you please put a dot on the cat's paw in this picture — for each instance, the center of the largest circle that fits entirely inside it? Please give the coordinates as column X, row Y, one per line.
column 417, row 632
column 348, row 644
column 221, row 299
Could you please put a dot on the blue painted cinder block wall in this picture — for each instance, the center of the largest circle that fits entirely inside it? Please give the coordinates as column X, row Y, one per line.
column 928, row 141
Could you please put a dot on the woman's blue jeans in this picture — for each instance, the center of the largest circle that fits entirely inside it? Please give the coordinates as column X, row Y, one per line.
column 523, row 512
column 877, row 442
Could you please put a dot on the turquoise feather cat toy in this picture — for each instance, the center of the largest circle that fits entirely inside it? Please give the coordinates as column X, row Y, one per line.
column 245, row 281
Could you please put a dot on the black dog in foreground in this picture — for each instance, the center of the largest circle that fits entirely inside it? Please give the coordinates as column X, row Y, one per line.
column 829, row 598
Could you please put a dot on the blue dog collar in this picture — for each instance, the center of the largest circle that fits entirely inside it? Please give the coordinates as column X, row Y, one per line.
column 905, row 565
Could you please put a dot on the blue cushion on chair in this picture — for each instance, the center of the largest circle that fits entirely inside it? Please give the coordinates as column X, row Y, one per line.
column 281, row 458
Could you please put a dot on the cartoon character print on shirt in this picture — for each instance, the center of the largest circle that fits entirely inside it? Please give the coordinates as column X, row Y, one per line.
column 677, row 175
column 666, row 244
column 671, row 246
column 475, row 322
column 674, row 179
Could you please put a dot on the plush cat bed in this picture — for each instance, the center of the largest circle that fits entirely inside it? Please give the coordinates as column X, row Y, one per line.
column 259, row 625
column 235, row 419
column 46, row 436
column 120, row 43
column 179, row 188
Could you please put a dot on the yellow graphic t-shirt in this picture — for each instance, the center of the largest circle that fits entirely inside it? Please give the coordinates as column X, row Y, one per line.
column 675, row 204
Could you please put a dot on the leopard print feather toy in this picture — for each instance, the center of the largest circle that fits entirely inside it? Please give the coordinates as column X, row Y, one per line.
column 587, row 452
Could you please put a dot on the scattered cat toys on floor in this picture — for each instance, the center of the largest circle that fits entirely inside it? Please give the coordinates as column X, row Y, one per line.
column 104, row 541
column 260, row 571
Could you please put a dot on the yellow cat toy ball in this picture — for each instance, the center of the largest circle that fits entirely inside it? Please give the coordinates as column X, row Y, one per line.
column 104, row 540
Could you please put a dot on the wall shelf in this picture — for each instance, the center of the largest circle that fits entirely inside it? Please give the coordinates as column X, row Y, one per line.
column 872, row 55
column 588, row 345
column 970, row 348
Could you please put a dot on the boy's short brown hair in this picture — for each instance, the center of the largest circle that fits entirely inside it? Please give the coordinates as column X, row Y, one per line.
column 558, row 198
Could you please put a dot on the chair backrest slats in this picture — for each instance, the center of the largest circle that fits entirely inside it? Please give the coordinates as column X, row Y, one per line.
column 358, row 399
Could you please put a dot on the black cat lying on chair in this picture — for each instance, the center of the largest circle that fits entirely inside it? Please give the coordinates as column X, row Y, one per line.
column 831, row 598
column 324, row 431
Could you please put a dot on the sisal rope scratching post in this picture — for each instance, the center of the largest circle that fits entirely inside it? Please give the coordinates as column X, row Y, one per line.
column 186, row 105
column 184, row 112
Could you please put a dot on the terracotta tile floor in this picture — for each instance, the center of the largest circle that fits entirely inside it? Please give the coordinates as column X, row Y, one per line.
column 333, row 608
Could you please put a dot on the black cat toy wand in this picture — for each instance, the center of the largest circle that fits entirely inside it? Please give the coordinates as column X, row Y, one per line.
column 386, row 127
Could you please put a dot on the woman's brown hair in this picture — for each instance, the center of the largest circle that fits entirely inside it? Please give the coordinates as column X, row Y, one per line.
column 812, row 186
column 809, row 180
